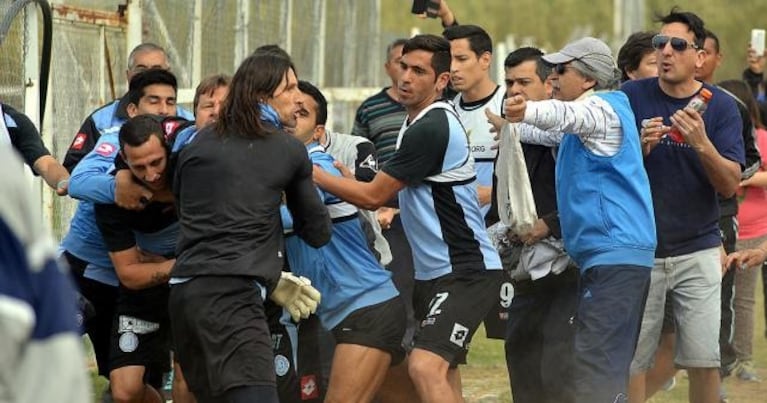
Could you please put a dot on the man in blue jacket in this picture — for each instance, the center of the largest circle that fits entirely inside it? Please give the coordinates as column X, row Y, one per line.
column 605, row 209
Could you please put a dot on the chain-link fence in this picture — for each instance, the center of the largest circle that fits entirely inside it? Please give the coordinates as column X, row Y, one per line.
column 334, row 43
column 12, row 59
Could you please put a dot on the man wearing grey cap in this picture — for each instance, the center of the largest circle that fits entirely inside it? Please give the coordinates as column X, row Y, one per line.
column 605, row 208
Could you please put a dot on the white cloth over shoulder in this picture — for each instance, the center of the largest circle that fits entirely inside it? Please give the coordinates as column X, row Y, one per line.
column 516, row 206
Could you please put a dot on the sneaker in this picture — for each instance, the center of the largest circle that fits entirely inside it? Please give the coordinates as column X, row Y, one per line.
column 746, row 372
column 670, row 384
column 723, row 395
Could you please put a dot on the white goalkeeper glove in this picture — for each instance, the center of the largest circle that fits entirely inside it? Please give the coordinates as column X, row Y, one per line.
column 297, row 295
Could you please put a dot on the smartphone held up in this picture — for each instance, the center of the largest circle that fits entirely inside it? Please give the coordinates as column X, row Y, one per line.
column 757, row 41
column 428, row 8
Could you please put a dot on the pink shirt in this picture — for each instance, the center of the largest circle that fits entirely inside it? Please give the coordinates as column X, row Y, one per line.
column 752, row 214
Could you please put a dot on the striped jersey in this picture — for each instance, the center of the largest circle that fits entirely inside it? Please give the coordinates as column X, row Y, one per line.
column 439, row 207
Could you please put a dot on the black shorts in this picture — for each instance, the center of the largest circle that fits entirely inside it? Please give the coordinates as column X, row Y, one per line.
column 497, row 318
column 220, row 334
column 449, row 309
column 103, row 299
column 303, row 353
column 141, row 331
column 379, row 326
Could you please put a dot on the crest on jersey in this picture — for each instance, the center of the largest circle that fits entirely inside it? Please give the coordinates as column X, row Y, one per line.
column 105, row 149
column 79, row 141
column 370, row 163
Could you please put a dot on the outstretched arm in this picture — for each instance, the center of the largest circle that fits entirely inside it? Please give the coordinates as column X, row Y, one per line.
column 367, row 195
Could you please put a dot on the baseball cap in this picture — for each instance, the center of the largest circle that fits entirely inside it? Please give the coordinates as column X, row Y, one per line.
column 592, row 53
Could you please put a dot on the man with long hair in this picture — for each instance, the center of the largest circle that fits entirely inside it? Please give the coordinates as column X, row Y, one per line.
column 229, row 183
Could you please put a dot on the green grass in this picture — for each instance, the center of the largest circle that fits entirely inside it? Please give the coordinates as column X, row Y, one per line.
column 485, row 378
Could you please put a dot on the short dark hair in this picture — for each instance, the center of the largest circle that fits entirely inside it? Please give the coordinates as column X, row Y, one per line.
column 146, row 78
column 138, row 129
column 396, row 43
column 631, row 53
column 479, row 40
column 208, row 86
column 526, row 54
column 693, row 22
column 438, row 46
column 322, row 103
column 256, row 79
column 271, row 49
column 711, row 35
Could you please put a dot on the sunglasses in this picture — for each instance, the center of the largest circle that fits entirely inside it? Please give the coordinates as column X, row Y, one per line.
column 678, row 44
column 561, row 68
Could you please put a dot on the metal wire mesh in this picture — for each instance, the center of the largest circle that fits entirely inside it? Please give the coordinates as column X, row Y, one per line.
column 78, row 86
column 230, row 29
column 12, row 61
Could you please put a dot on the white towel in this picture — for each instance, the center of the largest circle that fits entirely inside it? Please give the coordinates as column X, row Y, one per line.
column 516, row 206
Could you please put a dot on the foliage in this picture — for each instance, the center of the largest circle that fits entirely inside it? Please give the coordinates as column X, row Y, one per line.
column 553, row 23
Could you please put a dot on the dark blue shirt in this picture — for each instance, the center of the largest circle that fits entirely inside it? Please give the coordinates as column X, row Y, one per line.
column 685, row 201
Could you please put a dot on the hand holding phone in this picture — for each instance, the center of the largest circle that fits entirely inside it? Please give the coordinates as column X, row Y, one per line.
column 757, row 41
column 427, row 8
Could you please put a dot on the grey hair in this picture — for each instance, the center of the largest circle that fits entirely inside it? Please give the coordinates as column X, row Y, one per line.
column 605, row 81
column 144, row 47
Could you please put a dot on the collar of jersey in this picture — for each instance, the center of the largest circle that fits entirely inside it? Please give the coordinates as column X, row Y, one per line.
column 269, row 115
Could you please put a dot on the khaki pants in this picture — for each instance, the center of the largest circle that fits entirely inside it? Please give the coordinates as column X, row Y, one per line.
column 745, row 288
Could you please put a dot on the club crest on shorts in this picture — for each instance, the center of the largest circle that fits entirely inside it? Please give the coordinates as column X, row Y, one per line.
column 281, row 365
column 459, row 334
column 129, row 327
column 128, row 342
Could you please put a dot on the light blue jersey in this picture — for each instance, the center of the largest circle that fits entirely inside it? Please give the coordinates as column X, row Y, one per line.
column 92, row 182
column 345, row 270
